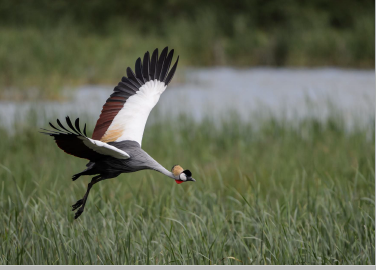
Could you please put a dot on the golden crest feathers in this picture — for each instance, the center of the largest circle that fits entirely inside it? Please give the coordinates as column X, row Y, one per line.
column 177, row 170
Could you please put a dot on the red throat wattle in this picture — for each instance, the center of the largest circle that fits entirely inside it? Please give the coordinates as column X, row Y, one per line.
column 179, row 181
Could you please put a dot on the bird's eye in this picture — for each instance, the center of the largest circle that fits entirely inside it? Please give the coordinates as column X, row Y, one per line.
column 183, row 177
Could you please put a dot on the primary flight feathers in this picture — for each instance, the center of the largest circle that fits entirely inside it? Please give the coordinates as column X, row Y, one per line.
column 125, row 112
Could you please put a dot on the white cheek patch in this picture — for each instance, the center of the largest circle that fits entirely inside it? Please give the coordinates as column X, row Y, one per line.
column 183, row 177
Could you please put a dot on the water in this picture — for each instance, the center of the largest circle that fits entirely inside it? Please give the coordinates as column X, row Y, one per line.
column 290, row 94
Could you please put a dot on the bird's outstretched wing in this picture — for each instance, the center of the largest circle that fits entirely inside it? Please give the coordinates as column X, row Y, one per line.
column 77, row 143
column 126, row 111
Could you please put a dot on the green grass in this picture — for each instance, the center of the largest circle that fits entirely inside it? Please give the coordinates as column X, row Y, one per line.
column 267, row 195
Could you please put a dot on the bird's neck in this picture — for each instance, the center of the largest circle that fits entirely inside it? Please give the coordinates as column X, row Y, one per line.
column 153, row 164
column 166, row 172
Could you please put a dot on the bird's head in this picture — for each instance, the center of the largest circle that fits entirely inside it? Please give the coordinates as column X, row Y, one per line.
column 181, row 175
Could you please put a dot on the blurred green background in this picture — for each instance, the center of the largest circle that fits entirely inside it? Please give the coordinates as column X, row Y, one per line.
column 46, row 45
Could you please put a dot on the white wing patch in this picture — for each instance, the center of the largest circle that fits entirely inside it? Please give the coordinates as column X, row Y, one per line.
column 104, row 148
column 129, row 123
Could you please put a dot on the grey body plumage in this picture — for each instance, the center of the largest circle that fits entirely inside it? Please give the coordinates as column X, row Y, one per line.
column 115, row 144
column 110, row 167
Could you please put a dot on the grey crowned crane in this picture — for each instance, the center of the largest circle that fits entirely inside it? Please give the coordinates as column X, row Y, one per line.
column 115, row 146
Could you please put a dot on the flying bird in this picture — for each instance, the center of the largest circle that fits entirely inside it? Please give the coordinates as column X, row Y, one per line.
column 115, row 146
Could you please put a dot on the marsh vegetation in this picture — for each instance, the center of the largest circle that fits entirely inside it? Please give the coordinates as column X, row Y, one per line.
column 275, row 194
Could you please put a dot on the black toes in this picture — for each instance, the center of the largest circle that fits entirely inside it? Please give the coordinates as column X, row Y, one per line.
column 77, row 204
column 79, row 212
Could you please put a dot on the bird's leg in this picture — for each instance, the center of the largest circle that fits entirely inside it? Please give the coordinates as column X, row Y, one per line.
column 82, row 202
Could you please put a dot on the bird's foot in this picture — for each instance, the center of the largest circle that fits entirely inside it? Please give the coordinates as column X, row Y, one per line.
column 77, row 204
column 79, row 212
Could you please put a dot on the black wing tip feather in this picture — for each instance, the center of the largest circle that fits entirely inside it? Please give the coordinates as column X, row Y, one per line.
column 151, row 68
column 138, row 69
column 161, row 61
column 166, row 65
column 85, row 130
column 146, row 66
column 171, row 72
column 153, row 64
column 76, row 131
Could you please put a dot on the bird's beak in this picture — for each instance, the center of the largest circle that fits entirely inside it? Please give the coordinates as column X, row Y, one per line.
column 191, row 179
